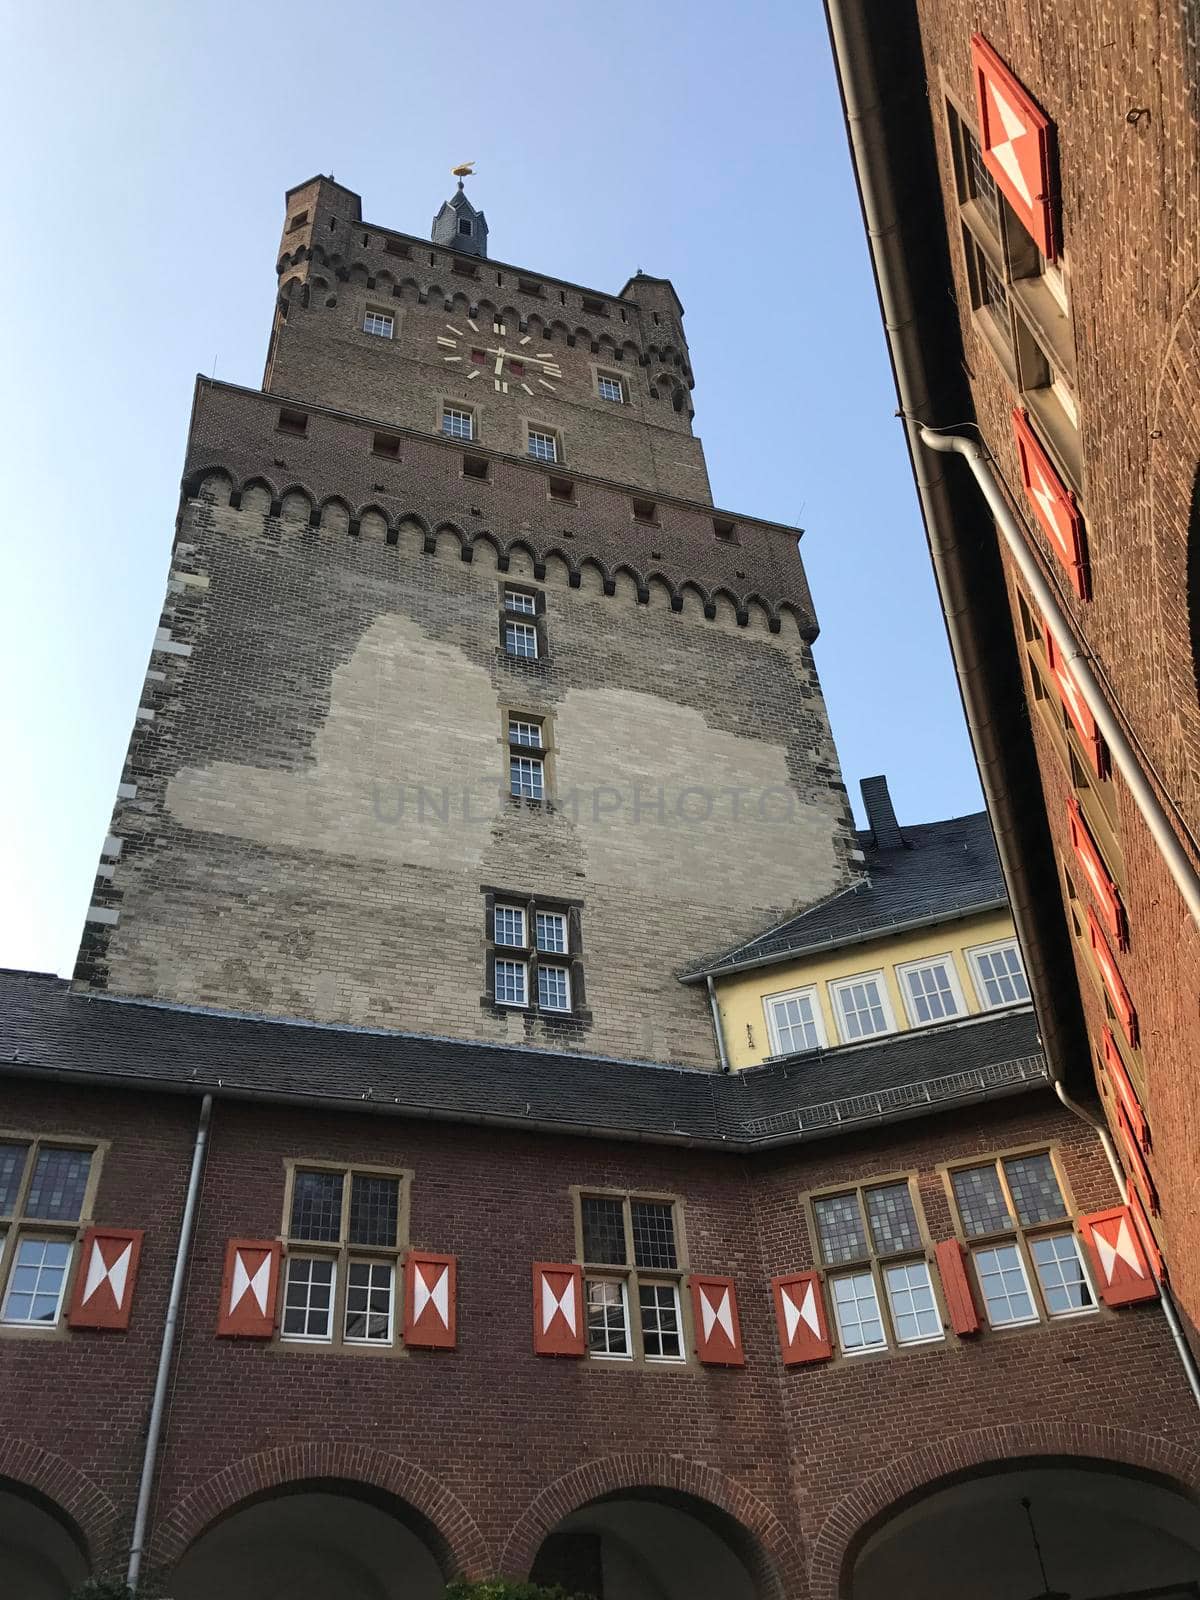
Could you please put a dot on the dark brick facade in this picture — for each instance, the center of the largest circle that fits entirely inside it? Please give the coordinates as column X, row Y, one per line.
column 801, row 1458
column 1124, row 113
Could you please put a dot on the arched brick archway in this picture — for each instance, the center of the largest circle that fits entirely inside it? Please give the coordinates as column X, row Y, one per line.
column 859, row 1511
column 780, row 1571
column 84, row 1502
column 465, row 1547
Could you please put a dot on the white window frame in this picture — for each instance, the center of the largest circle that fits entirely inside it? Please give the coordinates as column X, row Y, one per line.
column 559, row 917
column 514, row 630
column 308, row 1256
column 856, row 1274
column 548, row 434
column 365, row 1340
column 525, row 733
column 521, row 601
column 886, row 1267
column 622, row 1287
column 526, row 776
column 980, row 982
column 511, row 910
column 1013, row 1244
column 35, row 1235
column 618, row 399
column 836, row 987
column 809, row 992
column 372, row 315
column 956, row 991
column 680, row 1332
column 458, row 411
column 555, row 966
column 517, row 966
column 1068, row 1232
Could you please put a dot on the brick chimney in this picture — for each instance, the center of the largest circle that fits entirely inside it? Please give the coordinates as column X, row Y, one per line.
column 881, row 815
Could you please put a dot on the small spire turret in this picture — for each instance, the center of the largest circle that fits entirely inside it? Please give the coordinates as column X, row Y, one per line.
column 458, row 225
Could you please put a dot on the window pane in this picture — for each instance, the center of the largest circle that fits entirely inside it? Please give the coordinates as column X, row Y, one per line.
column 915, row 1314
column 35, row 1288
column 552, row 932
column 456, row 424
column 661, row 1336
column 57, row 1188
column 520, row 639
column 1002, row 975
column 508, row 925
column 931, row 992
column 511, row 983
column 12, row 1169
column 607, row 1317
column 840, row 1226
column 983, row 185
column 1034, row 1189
column 378, row 322
column 554, row 988
column 542, row 446
column 892, row 1218
column 981, row 1201
column 1002, row 1280
column 317, row 1206
column 603, row 1230
column 795, row 1023
column 654, row 1234
column 526, row 777
column 1060, row 1272
column 856, row 1307
column 862, row 1008
column 308, row 1298
column 374, row 1210
column 610, row 389
column 527, row 733
column 369, row 1297
column 518, row 600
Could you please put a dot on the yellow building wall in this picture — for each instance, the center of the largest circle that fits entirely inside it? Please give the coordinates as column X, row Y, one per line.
column 741, row 996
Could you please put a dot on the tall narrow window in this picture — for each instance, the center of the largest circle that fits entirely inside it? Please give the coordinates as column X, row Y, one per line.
column 630, row 1255
column 45, row 1189
column 534, row 960
column 342, row 1239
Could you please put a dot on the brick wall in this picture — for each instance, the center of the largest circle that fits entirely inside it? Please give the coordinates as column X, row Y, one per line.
column 494, row 1426
column 1124, row 112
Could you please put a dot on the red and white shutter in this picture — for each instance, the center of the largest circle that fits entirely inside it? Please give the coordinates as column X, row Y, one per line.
column 1141, row 1222
column 800, row 1318
column 1122, row 1270
column 1135, row 1160
column 108, row 1265
column 956, row 1286
column 1053, row 504
column 430, row 1300
column 1113, row 981
column 1016, row 138
column 249, row 1288
column 1122, row 1086
column 718, row 1328
column 558, row 1327
column 1076, row 706
column 1107, row 896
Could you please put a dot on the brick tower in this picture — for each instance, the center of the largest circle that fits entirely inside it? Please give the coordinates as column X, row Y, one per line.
column 469, row 714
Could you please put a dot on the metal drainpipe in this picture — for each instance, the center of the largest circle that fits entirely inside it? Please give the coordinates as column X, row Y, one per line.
column 167, row 1349
column 717, row 1028
column 1187, row 880
column 1187, row 1359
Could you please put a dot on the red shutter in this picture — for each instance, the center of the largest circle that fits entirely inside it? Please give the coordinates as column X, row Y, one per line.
column 249, row 1288
column 1103, row 888
column 1122, row 1085
column 1113, row 981
column 1053, row 504
column 108, row 1265
column 718, row 1329
column 1076, row 706
column 1120, row 1264
column 558, row 1313
column 1017, row 142
column 800, row 1318
column 430, row 1300
column 1141, row 1221
column 1135, row 1161
column 956, row 1286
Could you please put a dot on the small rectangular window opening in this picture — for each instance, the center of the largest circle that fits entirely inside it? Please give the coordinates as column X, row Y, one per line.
column 475, row 467
column 386, row 444
column 724, row 529
column 293, row 421
column 298, row 221
column 645, row 511
column 562, row 489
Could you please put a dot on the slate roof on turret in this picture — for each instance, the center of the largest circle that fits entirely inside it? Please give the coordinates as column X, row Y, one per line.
column 944, row 870
column 52, row 1033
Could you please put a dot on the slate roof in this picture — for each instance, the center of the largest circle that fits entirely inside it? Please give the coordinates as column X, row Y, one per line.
column 48, row 1030
column 946, row 869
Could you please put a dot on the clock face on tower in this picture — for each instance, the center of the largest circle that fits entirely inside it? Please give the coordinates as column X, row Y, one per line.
column 516, row 365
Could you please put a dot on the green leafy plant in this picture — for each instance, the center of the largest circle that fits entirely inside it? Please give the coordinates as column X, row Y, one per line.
column 499, row 1589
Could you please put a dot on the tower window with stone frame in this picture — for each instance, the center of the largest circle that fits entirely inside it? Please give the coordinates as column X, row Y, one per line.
column 533, row 957
column 380, row 323
column 610, row 387
column 457, row 422
column 542, row 445
column 522, row 623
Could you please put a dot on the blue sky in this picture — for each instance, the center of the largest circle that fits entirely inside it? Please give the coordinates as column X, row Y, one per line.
column 148, row 147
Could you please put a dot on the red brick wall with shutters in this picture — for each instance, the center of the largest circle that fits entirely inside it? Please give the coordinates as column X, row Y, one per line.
column 508, row 1423
column 1117, row 81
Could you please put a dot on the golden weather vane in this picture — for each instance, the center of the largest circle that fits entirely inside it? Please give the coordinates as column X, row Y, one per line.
column 465, row 169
